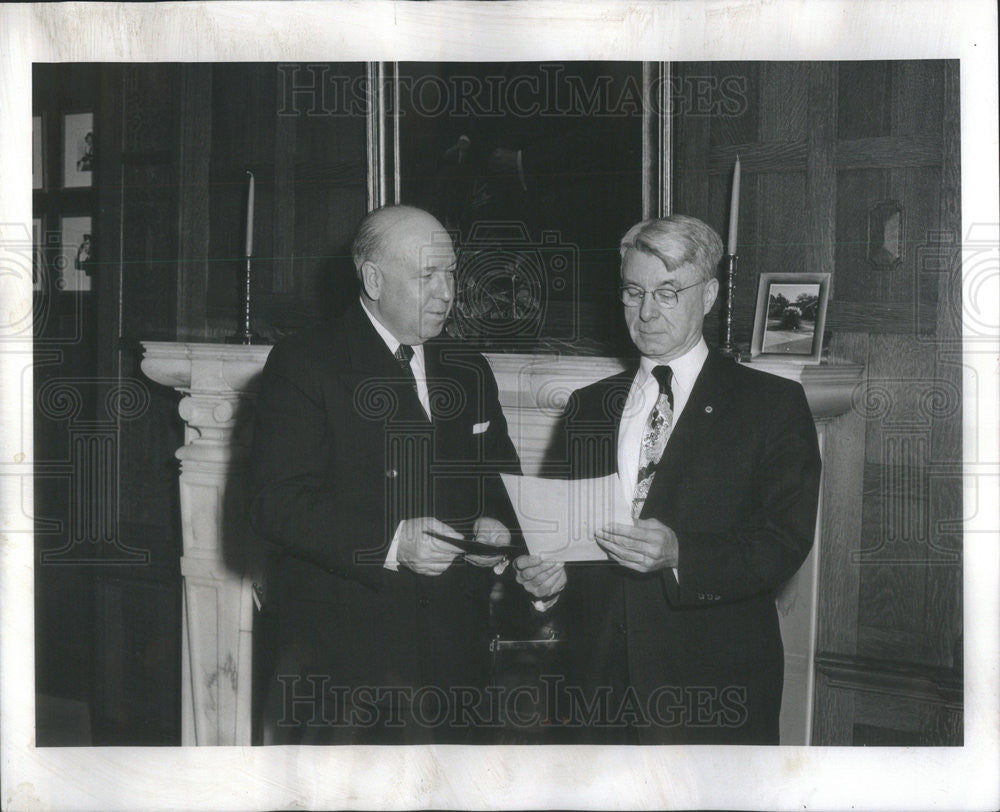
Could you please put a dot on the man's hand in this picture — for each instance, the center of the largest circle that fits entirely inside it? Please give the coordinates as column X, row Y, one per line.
column 647, row 547
column 542, row 579
column 488, row 531
column 421, row 550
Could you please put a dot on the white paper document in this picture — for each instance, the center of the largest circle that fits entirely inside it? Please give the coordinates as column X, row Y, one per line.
column 559, row 516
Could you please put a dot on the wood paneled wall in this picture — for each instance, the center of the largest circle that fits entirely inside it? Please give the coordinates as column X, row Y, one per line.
column 308, row 160
column 168, row 204
column 821, row 143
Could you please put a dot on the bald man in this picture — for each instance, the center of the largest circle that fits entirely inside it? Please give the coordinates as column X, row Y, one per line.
column 376, row 445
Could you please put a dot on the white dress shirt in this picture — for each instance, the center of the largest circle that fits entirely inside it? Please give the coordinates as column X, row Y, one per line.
column 416, row 362
column 420, row 375
column 642, row 397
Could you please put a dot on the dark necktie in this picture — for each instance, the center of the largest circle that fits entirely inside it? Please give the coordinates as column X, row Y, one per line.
column 654, row 438
column 403, row 354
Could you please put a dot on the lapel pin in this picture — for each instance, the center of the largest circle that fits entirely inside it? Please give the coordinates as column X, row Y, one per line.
column 708, row 410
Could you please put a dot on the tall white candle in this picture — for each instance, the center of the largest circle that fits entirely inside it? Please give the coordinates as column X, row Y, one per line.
column 249, row 251
column 734, row 208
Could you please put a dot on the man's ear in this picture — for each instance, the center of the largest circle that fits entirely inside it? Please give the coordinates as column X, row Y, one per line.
column 371, row 279
column 709, row 293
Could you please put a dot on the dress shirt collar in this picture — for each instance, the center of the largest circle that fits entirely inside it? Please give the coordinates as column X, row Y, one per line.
column 684, row 369
column 390, row 340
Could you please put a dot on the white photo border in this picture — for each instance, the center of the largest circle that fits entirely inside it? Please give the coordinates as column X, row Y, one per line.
column 514, row 777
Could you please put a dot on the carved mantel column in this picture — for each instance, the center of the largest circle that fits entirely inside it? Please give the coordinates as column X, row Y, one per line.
column 218, row 383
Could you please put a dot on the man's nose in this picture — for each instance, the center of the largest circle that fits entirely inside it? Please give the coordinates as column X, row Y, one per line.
column 648, row 309
column 443, row 286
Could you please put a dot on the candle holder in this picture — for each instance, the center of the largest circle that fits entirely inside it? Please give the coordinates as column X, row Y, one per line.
column 245, row 335
column 728, row 349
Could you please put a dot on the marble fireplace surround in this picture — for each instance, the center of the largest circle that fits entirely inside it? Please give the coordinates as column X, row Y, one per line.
column 217, row 385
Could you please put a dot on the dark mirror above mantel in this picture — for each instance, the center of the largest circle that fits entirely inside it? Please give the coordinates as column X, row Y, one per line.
column 536, row 168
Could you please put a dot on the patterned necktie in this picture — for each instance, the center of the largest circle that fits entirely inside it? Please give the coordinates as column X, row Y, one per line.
column 654, row 438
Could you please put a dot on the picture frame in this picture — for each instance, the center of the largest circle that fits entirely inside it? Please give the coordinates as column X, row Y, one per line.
column 78, row 150
column 37, row 152
column 76, row 251
column 790, row 317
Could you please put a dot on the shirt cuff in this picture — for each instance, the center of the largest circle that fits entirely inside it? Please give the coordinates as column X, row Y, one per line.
column 391, row 562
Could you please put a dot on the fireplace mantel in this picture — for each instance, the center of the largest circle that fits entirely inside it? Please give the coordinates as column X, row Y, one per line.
column 218, row 384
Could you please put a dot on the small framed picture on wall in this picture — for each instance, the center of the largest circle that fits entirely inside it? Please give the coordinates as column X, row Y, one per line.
column 78, row 150
column 791, row 314
column 37, row 153
column 76, row 252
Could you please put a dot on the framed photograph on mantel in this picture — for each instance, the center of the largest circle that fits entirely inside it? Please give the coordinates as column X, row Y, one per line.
column 791, row 314
column 78, row 150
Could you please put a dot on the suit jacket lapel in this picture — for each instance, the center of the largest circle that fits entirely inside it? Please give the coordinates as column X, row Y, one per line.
column 367, row 350
column 705, row 406
column 597, row 426
column 375, row 365
column 613, row 405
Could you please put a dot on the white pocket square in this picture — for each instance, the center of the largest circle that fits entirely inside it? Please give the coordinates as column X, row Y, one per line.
column 479, row 428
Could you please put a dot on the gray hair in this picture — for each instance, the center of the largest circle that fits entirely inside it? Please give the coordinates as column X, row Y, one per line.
column 676, row 240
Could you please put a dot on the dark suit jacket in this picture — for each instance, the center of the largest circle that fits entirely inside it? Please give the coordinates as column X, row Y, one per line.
column 341, row 453
column 739, row 485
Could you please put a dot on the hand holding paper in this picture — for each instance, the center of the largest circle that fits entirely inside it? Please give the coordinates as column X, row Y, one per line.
column 647, row 546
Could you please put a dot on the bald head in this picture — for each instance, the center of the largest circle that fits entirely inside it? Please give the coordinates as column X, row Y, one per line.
column 405, row 262
column 388, row 229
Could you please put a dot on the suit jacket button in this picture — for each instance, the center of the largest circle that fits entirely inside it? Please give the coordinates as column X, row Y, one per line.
column 620, row 628
column 423, row 603
column 392, row 473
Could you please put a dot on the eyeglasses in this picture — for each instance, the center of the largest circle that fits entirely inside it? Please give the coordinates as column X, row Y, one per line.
column 633, row 295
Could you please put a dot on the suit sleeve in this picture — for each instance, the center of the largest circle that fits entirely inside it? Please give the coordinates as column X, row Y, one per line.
column 775, row 535
column 298, row 503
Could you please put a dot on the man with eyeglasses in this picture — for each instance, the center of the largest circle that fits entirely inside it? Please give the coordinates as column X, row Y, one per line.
column 676, row 639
